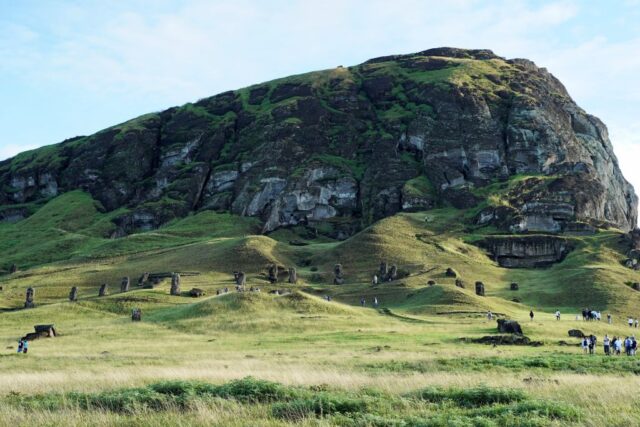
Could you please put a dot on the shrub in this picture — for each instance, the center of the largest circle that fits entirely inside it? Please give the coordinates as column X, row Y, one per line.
column 471, row 397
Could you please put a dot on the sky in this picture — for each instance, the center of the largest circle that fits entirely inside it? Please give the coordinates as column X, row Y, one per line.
column 71, row 68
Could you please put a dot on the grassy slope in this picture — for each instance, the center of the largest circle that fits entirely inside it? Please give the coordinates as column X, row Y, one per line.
column 300, row 338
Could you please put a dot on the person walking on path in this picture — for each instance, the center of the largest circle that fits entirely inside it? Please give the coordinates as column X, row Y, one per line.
column 531, row 314
column 20, row 345
column 25, row 346
column 362, row 301
column 557, row 314
column 630, row 322
column 609, row 318
column 607, row 345
column 375, row 302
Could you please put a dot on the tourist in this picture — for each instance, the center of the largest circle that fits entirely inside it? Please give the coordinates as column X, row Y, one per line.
column 25, row 346
column 592, row 344
column 20, row 345
column 634, row 345
column 531, row 314
column 585, row 345
column 627, row 346
column 374, row 281
column 630, row 321
column 607, row 345
column 375, row 302
column 362, row 301
column 609, row 318
column 636, row 323
column 489, row 315
column 557, row 314
column 618, row 346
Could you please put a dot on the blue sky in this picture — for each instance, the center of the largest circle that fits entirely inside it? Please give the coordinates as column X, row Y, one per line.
column 72, row 68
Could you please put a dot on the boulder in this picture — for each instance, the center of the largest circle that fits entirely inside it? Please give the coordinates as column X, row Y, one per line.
column 196, row 292
column 509, row 327
column 576, row 333
column 514, row 339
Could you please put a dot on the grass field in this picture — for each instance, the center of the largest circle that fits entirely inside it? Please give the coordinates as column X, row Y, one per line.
column 296, row 359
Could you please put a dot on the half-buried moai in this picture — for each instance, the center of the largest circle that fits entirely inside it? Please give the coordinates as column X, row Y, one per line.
column 124, row 285
column 175, row 284
column 143, row 279
column 273, row 273
column 514, row 286
column 104, row 289
column 480, row 289
column 393, row 273
column 73, row 295
column 338, row 277
column 241, row 279
column 293, row 276
column 28, row 303
column 136, row 315
column 382, row 271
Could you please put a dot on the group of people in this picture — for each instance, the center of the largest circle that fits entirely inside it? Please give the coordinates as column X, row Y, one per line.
column 23, row 346
column 611, row 346
column 363, row 302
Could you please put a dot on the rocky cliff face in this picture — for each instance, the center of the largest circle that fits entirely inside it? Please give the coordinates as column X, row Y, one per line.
column 341, row 148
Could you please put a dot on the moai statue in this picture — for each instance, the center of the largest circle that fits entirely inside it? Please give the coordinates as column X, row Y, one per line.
column 450, row 272
column 383, row 270
column 136, row 315
column 175, row 284
column 339, row 278
column 73, row 295
column 459, row 283
column 103, row 290
column 635, row 286
column 13, row 268
column 374, row 280
column 393, row 273
column 293, row 275
column 241, row 279
column 143, row 279
column 124, row 285
column 273, row 273
column 431, row 283
column 28, row 303
column 480, row 289
column 514, row 286
column 235, row 276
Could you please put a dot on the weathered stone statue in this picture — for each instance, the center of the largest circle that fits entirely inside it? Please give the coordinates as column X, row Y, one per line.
column 124, row 285
column 635, row 286
column 73, row 295
column 431, row 283
column 13, row 268
column 143, row 279
column 136, row 315
column 103, row 290
column 451, row 272
column 339, row 278
column 383, row 270
column 175, row 284
column 241, row 279
column 293, row 275
column 513, row 286
column 273, row 273
column 28, row 303
column 459, row 283
column 480, row 289
column 393, row 273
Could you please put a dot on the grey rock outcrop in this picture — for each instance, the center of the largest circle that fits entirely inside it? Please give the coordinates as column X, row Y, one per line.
column 527, row 251
column 509, row 327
